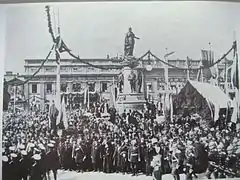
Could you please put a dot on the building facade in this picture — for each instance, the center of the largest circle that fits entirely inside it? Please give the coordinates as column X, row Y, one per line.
column 76, row 77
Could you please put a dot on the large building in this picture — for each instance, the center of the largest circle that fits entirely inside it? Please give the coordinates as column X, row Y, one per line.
column 76, row 77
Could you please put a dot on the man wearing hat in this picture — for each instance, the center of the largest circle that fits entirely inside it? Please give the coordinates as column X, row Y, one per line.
column 36, row 173
column 53, row 160
column 149, row 152
column 212, row 160
column 190, row 162
column 43, row 161
column 175, row 163
column 95, row 154
column 123, row 156
column 231, row 161
column 14, row 166
column 79, row 157
column 6, row 170
column 24, row 165
column 134, row 156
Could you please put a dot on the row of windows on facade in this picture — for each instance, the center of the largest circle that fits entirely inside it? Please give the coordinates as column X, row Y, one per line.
column 75, row 88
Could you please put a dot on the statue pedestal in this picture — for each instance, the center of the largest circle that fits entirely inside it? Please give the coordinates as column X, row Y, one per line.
column 132, row 101
column 128, row 100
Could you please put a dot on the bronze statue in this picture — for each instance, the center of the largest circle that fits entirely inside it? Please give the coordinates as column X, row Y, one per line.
column 132, row 80
column 120, row 82
column 139, row 81
column 129, row 43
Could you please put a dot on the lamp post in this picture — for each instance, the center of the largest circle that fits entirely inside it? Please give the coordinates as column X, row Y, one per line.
column 148, row 68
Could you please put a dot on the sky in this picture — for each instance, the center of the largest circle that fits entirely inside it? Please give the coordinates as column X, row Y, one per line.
column 94, row 30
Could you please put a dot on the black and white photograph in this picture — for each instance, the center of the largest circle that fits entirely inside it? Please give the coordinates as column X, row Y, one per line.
column 121, row 90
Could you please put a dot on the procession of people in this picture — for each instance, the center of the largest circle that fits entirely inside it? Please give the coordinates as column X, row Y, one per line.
column 134, row 142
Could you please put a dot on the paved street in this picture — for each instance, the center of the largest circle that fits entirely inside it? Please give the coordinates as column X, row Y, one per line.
column 66, row 175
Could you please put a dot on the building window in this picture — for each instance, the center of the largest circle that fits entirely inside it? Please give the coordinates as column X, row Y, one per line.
column 149, row 86
column 91, row 87
column 34, row 88
column 49, row 88
column 104, row 87
column 76, row 87
column 63, row 87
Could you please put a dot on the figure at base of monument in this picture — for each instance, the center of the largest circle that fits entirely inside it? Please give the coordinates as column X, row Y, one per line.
column 120, row 82
column 139, row 81
column 132, row 81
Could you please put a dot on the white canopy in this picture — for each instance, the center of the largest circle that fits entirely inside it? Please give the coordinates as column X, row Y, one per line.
column 212, row 93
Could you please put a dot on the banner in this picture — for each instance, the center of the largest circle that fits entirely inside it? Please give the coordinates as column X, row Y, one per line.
column 64, row 116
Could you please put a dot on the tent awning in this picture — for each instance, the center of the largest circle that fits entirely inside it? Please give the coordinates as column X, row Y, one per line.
column 212, row 93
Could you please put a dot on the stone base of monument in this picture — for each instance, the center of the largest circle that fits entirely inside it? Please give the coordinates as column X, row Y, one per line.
column 132, row 101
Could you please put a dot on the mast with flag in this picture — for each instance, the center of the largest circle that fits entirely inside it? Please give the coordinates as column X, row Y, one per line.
column 58, row 85
column 188, row 68
column 235, row 80
column 167, row 99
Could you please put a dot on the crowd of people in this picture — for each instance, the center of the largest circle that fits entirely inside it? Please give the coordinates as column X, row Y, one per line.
column 133, row 142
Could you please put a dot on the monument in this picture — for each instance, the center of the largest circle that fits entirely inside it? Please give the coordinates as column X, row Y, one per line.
column 130, row 80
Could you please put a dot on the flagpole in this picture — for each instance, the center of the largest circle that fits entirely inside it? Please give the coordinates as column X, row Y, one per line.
column 166, row 73
column 88, row 103
column 14, row 99
column 226, row 78
column 166, row 81
column 188, row 76
column 58, row 76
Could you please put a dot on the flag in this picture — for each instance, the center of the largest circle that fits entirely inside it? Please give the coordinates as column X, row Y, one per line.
column 171, row 108
column 209, row 71
column 236, row 73
column 207, row 58
column 85, row 95
column 236, row 85
column 168, row 54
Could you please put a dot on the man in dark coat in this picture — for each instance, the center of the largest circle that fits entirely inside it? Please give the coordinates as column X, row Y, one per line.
column 94, row 154
column 124, row 156
column 53, row 160
column 6, row 171
column 36, row 173
column 149, row 152
column 24, row 165
column 79, row 157
column 53, row 117
column 134, row 156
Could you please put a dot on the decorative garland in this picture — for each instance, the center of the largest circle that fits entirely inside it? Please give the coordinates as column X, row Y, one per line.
column 50, row 23
column 34, row 74
column 64, row 48
column 218, row 61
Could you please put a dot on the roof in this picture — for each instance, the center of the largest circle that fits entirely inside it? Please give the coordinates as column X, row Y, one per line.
column 15, row 81
column 212, row 93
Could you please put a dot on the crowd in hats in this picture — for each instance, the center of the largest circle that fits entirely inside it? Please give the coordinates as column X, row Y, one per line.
column 133, row 143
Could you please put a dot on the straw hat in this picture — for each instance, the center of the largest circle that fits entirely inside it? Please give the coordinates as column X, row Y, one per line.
column 21, row 146
column 50, row 145
column 154, row 140
column 36, row 157
column 24, row 153
column 4, row 158
column 31, row 145
column 12, row 148
column 13, row 155
column 52, row 142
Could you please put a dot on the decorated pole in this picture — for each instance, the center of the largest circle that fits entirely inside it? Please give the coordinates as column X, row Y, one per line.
column 188, row 76
column 58, row 59
column 166, row 73
column 14, row 99
column 58, row 89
